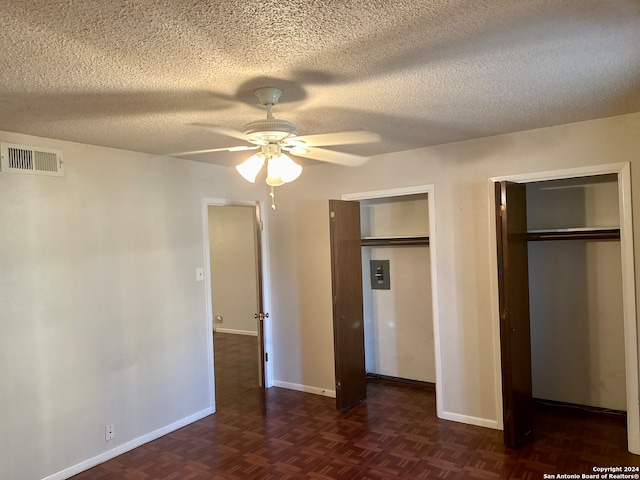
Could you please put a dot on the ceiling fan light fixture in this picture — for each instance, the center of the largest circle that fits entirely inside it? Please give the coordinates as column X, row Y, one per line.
column 272, row 136
column 250, row 168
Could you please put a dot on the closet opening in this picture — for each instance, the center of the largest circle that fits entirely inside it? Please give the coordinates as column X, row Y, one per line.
column 575, row 293
column 564, row 331
column 396, row 283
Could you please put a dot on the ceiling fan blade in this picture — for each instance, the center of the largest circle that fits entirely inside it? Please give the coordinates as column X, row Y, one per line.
column 229, row 132
column 336, row 138
column 228, row 149
column 329, row 156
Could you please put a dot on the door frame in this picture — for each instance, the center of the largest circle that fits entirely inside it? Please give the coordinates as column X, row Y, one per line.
column 623, row 171
column 223, row 202
column 429, row 189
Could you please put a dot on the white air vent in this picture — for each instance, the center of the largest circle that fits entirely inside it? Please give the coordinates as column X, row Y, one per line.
column 31, row 160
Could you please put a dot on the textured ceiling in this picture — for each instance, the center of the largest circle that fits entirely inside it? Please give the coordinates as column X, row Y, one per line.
column 137, row 74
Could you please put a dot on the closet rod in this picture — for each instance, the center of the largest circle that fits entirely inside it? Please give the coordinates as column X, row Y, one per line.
column 601, row 234
column 394, row 241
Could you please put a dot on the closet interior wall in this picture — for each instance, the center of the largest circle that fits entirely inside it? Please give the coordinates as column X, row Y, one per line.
column 575, row 288
column 398, row 323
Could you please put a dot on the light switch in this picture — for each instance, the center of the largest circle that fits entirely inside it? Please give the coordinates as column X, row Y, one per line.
column 199, row 274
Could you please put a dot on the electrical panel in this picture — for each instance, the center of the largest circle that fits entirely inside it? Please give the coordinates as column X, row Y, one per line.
column 380, row 279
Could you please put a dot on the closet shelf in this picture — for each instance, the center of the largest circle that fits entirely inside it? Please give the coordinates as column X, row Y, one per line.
column 395, row 241
column 608, row 233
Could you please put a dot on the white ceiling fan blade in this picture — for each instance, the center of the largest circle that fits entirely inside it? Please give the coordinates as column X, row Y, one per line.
column 229, row 132
column 329, row 156
column 240, row 148
column 337, row 138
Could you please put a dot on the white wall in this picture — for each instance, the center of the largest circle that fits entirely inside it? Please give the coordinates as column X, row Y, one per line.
column 233, row 267
column 299, row 248
column 577, row 322
column 398, row 323
column 102, row 320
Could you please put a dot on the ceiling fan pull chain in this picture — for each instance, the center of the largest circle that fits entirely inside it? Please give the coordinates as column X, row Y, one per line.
column 273, row 198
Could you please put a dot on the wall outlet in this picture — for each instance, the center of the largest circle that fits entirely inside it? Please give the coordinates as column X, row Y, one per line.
column 109, row 432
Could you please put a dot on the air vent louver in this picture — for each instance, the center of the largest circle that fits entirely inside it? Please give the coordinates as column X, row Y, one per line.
column 31, row 160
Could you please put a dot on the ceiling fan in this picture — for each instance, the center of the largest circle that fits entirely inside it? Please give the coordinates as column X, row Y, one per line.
column 273, row 136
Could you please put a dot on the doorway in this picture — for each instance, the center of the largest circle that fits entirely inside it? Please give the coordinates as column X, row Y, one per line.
column 398, row 324
column 235, row 303
column 579, row 346
column 398, row 224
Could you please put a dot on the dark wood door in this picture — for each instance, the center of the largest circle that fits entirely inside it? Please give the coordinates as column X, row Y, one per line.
column 261, row 315
column 348, row 318
column 515, row 335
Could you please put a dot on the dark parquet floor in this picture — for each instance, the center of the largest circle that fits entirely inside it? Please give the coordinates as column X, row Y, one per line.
column 395, row 434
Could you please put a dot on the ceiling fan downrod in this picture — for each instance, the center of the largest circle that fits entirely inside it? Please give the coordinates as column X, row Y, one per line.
column 268, row 97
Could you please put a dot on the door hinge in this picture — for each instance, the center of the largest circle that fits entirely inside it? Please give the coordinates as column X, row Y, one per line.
column 261, row 225
column 266, row 356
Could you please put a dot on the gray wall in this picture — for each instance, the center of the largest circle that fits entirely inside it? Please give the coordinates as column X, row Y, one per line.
column 233, row 268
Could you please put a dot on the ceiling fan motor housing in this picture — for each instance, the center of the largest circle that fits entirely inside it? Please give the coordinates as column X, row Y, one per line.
column 269, row 130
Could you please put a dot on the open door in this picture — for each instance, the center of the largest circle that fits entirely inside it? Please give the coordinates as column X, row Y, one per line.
column 260, row 315
column 348, row 318
column 515, row 335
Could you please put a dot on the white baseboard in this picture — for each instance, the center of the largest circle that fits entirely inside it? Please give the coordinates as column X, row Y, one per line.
column 236, row 332
column 125, row 447
column 478, row 422
column 305, row 388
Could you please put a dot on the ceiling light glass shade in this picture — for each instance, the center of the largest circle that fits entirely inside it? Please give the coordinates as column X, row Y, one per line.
column 250, row 168
column 273, row 177
column 282, row 169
